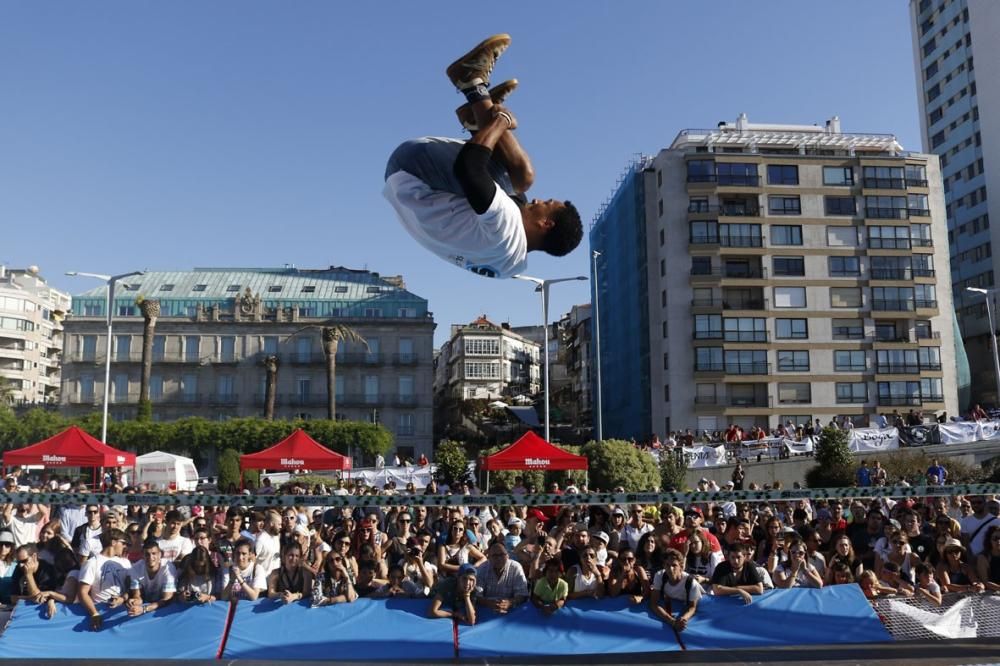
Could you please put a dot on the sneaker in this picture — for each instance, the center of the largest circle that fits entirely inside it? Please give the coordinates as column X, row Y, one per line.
column 498, row 94
column 475, row 67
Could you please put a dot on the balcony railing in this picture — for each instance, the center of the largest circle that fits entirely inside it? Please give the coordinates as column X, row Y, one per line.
column 745, row 336
column 744, row 303
column 934, row 397
column 726, row 210
column 915, row 182
column 924, row 272
column 851, row 399
column 924, row 303
column 178, row 398
column 748, row 401
column 899, row 401
column 888, row 243
column 884, row 183
column 919, row 212
column 736, row 272
column 892, row 274
column 886, row 213
column 928, row 335
column 893, row 305
column 891, row 337
column 897, row 368
column 848, row 333
column 726, row 240
column 738, row 180
column 707, row 335
column 922, row 242
column 706, row 302
column 706, row 400
column 701, row 178
column 405, row 359
column 747, row 368
column 709, row 367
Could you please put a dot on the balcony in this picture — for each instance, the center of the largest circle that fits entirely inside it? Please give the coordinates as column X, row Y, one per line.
column 897, row 368
column 891, row 274
column 404, row 400
column 928, row 335
column 701, row 178
column 884, row 183
column 888, row 243
column 405, row 359
column 707, row 335
column 734, row 272
column 726, row 210
column 893, row 305
column 748, row 401
column 179, row 398
column 706, row 302
column 745, row 336
column 923, row 303
column 747, row 368
column 848, row 333
column 918, row 212
column 744, row 303
column 899, row 401
column 727, row 241
column 932, row 398
column 706, row 400
column 738, row 180
column 303, row 400
column 886, row 213
column 891, row 336
column 916, row 182
column 921, row 242
column 301, row 358
column 924, row 272
column 709, row 367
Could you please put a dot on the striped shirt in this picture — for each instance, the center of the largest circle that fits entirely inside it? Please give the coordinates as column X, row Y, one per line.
column 509, row 583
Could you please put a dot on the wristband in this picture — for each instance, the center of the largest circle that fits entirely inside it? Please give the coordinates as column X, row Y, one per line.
column 506, row 116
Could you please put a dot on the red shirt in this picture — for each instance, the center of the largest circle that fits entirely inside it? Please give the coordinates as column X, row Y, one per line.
column 679, row 540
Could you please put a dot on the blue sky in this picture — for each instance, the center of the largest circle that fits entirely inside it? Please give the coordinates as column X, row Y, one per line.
column 168, row 135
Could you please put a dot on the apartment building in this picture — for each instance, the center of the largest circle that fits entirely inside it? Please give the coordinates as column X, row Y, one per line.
column 217, row 325
column 791, row 273
column 485, row 360
column 31, row 314
column 957, row 65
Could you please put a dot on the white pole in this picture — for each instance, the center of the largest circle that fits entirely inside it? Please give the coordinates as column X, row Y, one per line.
column 598, row 421
column 107, row 362
column 544, row 288
column 996, row 354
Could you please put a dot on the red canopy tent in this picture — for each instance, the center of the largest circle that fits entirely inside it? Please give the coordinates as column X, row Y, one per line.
column 71, row 448
column 531, row 452
column 297, row 451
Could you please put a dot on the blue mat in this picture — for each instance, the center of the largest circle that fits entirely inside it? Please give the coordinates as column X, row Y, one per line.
column 835, row 614
column 580, row 627
column 391, row 629
column 176, row 632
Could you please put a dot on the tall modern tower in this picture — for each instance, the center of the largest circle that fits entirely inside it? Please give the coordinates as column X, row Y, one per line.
column 956, row 52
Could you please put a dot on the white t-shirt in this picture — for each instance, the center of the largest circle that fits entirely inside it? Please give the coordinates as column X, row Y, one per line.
column 970, row 525
column 152, row 588
column 632, row 534
column 106, row 576
column 492, row 244
column 90, row 544
column 267, row 549
column 677, row 591
column 253, row 574
column 176, row 548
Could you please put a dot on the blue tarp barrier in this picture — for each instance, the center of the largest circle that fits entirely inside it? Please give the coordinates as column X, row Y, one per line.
column 175, row 632
column 368, row 629
column 580, row 627
column 835, row 614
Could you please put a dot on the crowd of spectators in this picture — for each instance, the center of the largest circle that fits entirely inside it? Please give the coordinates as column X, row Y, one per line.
column 464, row 559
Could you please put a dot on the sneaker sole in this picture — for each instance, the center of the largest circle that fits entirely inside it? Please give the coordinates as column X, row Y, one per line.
column 497, row 43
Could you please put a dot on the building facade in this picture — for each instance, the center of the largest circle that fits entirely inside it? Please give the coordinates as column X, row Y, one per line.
column 31, row 315
column 575, row 339
column 483, row 360
column 216, row 327
column 792, row 274
column 957, row 64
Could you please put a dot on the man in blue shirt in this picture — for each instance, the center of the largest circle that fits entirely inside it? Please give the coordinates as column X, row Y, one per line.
column 864, row 475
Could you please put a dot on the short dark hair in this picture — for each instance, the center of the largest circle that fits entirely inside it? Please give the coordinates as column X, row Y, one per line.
column 174, row 516
column 566, row 233
column 112, row 535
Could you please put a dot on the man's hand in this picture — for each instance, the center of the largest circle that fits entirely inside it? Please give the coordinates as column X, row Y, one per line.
column 499, row 110
column 50, row 608
column 135, row 609
column 118, row 601
column 745, row 596
column 31, row 566
column 287, row 597
column 681, row 623
column 96, row 621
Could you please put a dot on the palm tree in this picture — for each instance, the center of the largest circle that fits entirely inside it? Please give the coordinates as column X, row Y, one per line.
column 150, row 311
column 271, row 385
column 332, row 333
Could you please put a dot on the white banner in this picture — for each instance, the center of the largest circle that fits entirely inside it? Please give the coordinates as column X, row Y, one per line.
column 807, row 445
column 705, row 456
column 772, row 447
column 961, row 432
column 863, row 440
column 988, row 430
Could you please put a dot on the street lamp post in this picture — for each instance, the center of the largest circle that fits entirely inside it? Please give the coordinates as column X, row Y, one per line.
column 111, row 280
column 988, row 293
column 542, row 286
column 597, row 340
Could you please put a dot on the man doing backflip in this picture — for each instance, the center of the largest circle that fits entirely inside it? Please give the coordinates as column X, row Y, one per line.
column 464, row 201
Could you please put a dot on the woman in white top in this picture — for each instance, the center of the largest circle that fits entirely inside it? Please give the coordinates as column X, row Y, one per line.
column 457, row 551
column 898, row 553
column 701, row 560
column 585, row 579
column 796, row 571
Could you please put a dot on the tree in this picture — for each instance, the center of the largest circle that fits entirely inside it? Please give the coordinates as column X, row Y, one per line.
column 6, row 392
column 229, row 470
column 672, row 470
column 150, row 311
column 615, row 462
column 834, row 466
column 270, row 363
column 332, row 335
column 452, row 461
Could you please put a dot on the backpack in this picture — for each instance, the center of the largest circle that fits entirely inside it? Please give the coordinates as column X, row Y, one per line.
column 688, row 583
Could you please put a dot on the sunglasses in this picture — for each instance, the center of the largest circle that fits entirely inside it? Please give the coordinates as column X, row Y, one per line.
column 93, row 511
column 628, row 559
column 23, row 562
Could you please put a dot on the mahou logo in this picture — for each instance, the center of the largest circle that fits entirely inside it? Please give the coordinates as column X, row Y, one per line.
column 537, row 462
column 292, row 462
column 53, row 459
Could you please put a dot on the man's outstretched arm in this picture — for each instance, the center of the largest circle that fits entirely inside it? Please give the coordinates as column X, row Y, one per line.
column 472, row 162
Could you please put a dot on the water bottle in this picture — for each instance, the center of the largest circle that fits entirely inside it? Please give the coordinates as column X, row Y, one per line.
column 317, row 593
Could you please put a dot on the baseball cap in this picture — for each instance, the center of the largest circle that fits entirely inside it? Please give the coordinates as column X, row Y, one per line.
column 303, row 530
column 618, row 511
column 7, row 537
column 603, row 536
column 536, row 514
column 515, row 521
column 693, row 510
column 466, row 570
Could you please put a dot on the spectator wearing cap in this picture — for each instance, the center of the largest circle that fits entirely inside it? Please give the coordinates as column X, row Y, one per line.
column 954, row 572
column 616, row 527
column 103, row 577
column 152, row 582
column 673, row 585
column 693, row 521
column 512, row 539
column 599, row 540
column 736, row 576
column 456, row 597
column 502, row 581
column 551, row 590
column 172, row 544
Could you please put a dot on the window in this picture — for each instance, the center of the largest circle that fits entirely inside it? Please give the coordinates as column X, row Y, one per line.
column 889, row 238
column 746, row 362
column 840, row 205
column 852, row 392
column 155, row 387
column 845, row 266
column 482, row 346
column 166, row 287
column 886, row 208
column 884, row 178
column 898, row 394
column 373, row 353
column 929, row 358
column 916, row 204
column 745, row 329
column 848, row 329
column 371, row 388
column 705, row 394
column 784, row 205
column 787, row 266
column 920, row 235
column 791, row 329
column 159, row 347
column 274, row 288
column 845, row 297
column 405, row 425
column 916, row 175
column 708, row 359
column 701, row 265
column 307, row 311
column 233, row 287
column 849, row 361
column 890, row 268
column 482, row 370
column 227, row 348
column 373, row 312
column 192, row 348
column 842, row 236
column 786, row 234
column 86, row 384
column 199, row 287
column 704, row 232
column 926, row 296
column 734, row 173
column 406, row 387
column 373, row 290
column 892, row 298
column 340, row 289
column 931, row 389
column 897, row 361
column 189, row 385
column 839, row 176
column 789, row 297
column 123, row 347
column 782, row 174
column 698, row 205
column 308, row 289
column 794, row 393
column 740, row 235
column 224, row 386
column 270, row 344
column 405, row 347
column 793, row 361
column 119, row 388
column 708, row 327
column 701, row 171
